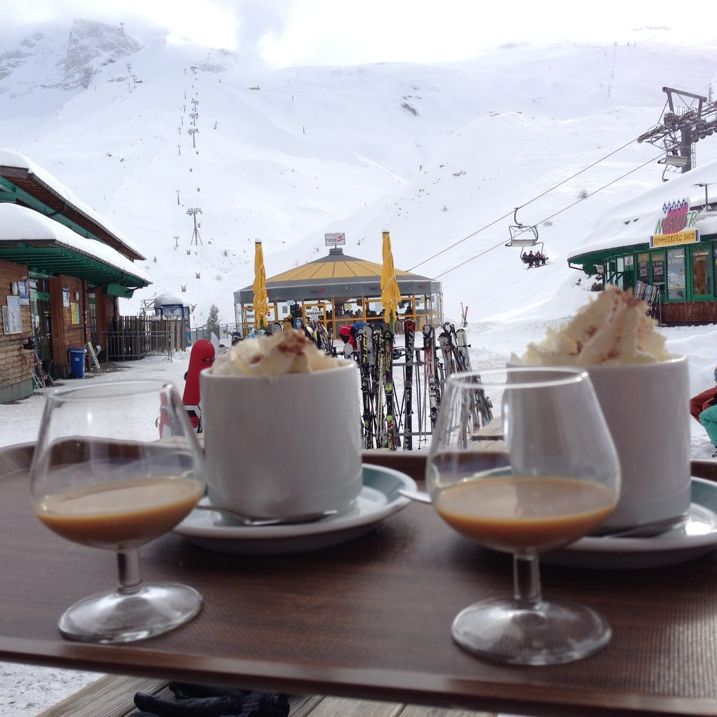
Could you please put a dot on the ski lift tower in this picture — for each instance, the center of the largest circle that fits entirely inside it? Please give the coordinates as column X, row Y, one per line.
column 686, row 119
column 196, row 239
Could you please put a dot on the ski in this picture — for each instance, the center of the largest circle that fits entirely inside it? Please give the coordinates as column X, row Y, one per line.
column 379, row 377
column 392, row 439
column 431, row 372
column 460, row 359
column 462, row 349
column 483, row 406
column 409, row 330
column 444, row 342
column 363, row 339
column 323, row 339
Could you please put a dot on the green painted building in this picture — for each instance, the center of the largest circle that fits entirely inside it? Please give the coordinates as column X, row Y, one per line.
column 663, row 245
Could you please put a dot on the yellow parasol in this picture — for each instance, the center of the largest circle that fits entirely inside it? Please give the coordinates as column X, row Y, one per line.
column 261, row 299
column 390, row 293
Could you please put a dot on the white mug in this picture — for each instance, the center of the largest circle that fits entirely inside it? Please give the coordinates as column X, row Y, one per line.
column 646, row 407
column 283, row 447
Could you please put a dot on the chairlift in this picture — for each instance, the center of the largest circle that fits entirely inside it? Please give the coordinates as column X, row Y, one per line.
column 520, row 234
column 539, row 251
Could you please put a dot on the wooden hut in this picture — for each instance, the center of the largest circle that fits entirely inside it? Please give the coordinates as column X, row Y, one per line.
column 62, row 269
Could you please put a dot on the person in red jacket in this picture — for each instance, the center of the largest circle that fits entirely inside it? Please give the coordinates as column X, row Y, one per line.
column 200, row 358
column 349, row 340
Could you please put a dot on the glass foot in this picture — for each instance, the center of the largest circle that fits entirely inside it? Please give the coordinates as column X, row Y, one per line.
column 546, row 634
column 118, row 617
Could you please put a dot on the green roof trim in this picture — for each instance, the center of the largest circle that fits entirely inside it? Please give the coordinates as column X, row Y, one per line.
column 589, row 260
column 51, row 259
column 117, row 290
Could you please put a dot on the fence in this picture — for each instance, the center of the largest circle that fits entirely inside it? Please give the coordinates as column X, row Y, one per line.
column 135, row 337
column 222, row 331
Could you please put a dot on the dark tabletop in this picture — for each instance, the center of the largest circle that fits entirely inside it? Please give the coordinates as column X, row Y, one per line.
column 367, row 619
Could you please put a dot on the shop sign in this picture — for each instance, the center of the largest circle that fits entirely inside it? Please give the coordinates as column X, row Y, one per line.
column 335, row 239
column 689, row 236
column 677, row 225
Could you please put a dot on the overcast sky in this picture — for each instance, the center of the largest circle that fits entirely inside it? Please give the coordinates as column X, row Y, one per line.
column 332, row 32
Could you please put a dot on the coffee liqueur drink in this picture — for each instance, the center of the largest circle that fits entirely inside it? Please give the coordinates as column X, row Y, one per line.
column 536, row 472
column 117, row 464
column 120, row 514
column 519, row 512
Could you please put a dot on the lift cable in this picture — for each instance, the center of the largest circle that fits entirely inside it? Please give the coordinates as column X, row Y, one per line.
column 530, row 201
column 555, row 214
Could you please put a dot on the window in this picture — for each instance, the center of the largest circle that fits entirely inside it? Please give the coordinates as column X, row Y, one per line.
column 676, row 285
column 658, row 268
column 642, row 266
column 701, row 271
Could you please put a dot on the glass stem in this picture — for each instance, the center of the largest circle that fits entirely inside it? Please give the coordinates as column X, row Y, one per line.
column 526, row 580
column 130, row 580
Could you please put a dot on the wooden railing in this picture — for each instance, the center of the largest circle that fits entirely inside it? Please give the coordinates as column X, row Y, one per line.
column 135, row 337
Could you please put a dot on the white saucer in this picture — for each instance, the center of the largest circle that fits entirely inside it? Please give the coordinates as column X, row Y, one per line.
column 697, row 536
column 378, row 499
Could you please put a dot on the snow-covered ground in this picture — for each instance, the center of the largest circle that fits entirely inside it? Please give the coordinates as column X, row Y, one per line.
column 431, row 153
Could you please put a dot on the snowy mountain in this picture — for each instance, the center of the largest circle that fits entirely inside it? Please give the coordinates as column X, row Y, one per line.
column 430, row 153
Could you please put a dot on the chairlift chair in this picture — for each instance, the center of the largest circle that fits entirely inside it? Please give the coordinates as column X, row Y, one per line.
column 520, row 234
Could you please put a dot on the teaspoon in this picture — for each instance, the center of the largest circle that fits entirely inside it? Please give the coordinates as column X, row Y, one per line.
column 256, row 522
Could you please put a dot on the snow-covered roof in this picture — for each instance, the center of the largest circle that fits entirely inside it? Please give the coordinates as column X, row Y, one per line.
column 635, row 220
column 168, row 299
column 18, row 224
column 9, row 158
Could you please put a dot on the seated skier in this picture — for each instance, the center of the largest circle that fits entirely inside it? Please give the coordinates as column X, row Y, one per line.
column 703, row 408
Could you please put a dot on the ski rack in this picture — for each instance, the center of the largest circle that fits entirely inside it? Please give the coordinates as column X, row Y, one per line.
column 425, row 392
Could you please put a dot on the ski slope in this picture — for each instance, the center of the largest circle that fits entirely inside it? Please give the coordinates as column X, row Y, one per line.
column 432, row 153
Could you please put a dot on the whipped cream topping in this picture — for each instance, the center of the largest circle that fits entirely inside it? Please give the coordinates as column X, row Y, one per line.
column 276, row 355
column 612, row 329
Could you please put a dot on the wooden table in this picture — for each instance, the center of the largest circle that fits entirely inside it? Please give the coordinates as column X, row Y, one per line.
column 368, row 619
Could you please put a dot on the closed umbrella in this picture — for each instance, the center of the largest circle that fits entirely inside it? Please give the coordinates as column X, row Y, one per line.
column 390, row 293
column 261, row 299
